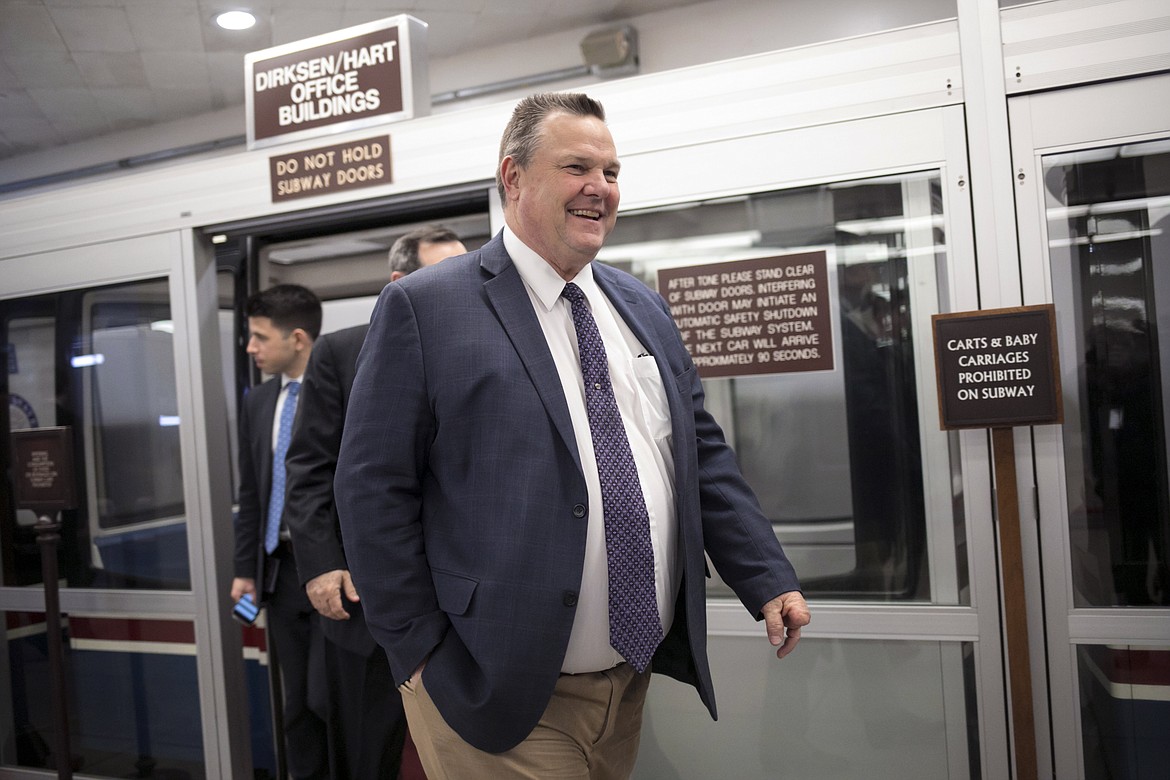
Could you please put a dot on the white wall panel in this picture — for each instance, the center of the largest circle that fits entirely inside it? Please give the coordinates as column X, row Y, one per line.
column 785, row 159
column 142, row 257
column 1069, row 42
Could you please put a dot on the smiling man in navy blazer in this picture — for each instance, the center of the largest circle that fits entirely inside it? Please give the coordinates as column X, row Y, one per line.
column 476, row 492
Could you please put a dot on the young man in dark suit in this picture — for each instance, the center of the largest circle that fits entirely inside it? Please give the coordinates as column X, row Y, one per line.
column 528, row 481
column 283, row 322
column 366, row 723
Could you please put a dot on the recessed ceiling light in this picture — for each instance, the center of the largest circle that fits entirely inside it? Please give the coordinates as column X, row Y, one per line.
column 235, row 20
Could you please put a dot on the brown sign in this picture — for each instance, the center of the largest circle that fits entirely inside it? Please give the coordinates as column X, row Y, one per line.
column 363, row 163
column 767, row 315
column 42, row 469
column 998, row 368
column 339, row 81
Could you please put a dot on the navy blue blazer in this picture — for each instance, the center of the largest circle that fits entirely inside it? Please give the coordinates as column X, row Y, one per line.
column 255, row 447
column 309, row 508
column 461, row 495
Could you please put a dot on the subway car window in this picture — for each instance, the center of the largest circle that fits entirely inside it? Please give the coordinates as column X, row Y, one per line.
column 102, row 362
column 1109, row 245
column 348, row 270
column 836, row 457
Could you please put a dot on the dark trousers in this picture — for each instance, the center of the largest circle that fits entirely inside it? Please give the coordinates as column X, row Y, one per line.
column 296, row 635
column 366, row 720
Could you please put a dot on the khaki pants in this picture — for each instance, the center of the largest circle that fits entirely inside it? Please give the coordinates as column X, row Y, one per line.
column 589, row 731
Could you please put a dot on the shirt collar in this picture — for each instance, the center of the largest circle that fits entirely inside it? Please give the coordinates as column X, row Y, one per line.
column 540, row 277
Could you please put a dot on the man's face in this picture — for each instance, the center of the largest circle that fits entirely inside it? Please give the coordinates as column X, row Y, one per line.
column 565, row 202
column 272, row 349
column 431, row 253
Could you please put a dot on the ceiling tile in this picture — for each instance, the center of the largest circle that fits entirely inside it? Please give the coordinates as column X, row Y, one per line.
column 314, row 5
column 355, row 16
column 24, row 27
column 178, row 29
column 127, row 107
column 44, row 69
column 178, row 103
column 226, row 71
column 18, row 104
column 471, row 7
column 526, row 7
column 385, row 9
column 449, row 33
column 85, row 3
column 93, row 29
column 27, row 133
column 111, row 68
column 518, row 23
column 8, row 80
column 305, row 24
column 166, row 70
column 70, row 110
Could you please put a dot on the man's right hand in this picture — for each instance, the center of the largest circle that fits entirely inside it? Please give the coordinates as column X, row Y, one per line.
column 325, row 591
column 242, row 585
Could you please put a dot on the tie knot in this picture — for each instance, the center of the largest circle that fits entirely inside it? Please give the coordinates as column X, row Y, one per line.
column 293, row 388
column 573, row 293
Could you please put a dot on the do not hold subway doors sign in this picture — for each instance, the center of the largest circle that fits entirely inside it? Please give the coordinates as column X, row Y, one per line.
column 364, row 163
column 998, row 368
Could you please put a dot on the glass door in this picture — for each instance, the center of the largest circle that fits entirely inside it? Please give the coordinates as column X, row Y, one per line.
column 102, row 341
column 1093, row 173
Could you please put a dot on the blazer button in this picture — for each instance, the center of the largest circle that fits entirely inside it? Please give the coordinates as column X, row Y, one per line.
column 569, row 598
column 579, row 511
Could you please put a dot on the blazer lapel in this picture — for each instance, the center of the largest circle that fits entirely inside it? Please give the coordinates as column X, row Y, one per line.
column 508, row 296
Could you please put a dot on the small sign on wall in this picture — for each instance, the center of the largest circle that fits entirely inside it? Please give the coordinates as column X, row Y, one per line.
column 998, row 368
column 766, row 315
column 366, row 75
column 348, row 166
column 42, row 469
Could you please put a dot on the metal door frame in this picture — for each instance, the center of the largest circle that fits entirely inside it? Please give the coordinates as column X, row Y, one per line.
column 189, row 267
column 1066, row 120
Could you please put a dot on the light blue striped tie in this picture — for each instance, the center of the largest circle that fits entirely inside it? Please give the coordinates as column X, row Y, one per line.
column 276, row 498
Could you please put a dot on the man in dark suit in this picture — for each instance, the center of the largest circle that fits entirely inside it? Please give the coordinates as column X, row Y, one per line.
column 283, row 322
column 528, row 481
column 366, row 723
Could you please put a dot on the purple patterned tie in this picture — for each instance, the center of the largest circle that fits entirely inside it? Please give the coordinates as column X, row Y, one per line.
column 634, row 626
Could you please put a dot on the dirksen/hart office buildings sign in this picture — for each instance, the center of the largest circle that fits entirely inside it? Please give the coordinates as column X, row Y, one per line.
column 371, row 74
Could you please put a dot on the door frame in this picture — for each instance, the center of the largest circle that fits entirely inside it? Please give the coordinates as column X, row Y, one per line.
column 188, row 264
column 1042, row 124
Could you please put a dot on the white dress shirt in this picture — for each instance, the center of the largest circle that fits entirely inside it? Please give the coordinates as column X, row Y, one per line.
column 637, row 386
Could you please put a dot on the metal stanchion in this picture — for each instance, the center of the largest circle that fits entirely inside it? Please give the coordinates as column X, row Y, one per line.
column 43, row 478
column 47, row 529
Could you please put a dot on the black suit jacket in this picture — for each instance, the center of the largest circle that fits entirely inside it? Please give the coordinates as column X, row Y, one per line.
column 463, row 503
column 259, row 409
column 312, row 460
